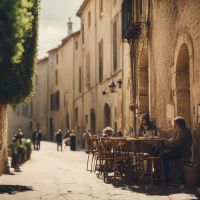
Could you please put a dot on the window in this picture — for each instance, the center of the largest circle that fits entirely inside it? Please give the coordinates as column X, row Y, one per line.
column 86, row 119
column 76, row 115
column 36, row 80
column 67, row 121
column 52, row 102
column 80, row 80
column 88, row 69
column 141, row 7
column 115, row 46
column 18, row 110
column 55, row 101
column 56, row 77
column 76, row 44
column 100, row 47
column 101, row 8
column 57, row 59
column 25, row 110
column 31, row 125
column 31, row 109
column 89, row 19
column 138, row 9
column 82, row 28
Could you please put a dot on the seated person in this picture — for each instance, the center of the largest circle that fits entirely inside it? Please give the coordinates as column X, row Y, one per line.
column 179, row 146
column 146, row 126
column 107, row 132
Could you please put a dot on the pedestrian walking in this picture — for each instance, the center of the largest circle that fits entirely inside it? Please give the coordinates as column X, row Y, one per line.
column 19, row 135
column 59, row 139
column 34, row 138
column 66, row 138
column 38, row 139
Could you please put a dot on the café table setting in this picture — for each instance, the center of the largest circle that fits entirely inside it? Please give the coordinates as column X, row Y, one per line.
column 120, row 158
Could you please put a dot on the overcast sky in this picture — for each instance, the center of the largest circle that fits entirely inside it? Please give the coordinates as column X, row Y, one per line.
column 53, row 19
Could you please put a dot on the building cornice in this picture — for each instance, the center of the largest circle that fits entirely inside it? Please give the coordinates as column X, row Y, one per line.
column 64, row 40
column 80, row 10
column 42, row 60
column 52, row 50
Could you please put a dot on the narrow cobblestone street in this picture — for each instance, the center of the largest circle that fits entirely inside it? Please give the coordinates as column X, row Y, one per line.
column 59, row 175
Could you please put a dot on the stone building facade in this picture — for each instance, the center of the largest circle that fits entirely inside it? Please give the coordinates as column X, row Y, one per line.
column 104, row 59
column 167, row 62
column 33, row 113
column 78, row 73
column 62, row 62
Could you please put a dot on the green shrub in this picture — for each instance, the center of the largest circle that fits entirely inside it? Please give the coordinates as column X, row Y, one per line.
column 18, row 48
column 23, row 150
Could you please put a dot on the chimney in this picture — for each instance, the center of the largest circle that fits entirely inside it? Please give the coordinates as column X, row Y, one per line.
column 69, row 25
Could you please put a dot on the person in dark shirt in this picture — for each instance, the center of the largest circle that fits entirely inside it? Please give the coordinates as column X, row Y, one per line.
column 19, row 135
column 146, row 126
column 59, row 139
column 34, row 138
column 179, row 146
column 38, row 139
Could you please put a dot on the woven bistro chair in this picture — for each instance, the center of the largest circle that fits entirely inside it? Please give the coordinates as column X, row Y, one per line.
column 104, row 158
column 92, row 149
column 122, row 159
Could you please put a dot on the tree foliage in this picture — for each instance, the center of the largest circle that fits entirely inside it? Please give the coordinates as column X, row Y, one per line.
column 18, row 48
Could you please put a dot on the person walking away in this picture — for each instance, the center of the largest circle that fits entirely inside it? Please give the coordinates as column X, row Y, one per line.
column 19, row 135
column 39, row 138
column 66, row 138
column 83, row 135
column 59, row 139
column 34, row 138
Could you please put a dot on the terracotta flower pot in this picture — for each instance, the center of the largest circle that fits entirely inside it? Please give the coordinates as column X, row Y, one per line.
column 191, row 175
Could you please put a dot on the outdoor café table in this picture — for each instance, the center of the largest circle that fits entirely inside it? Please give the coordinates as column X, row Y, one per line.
column 142, row 155
column 147, row 140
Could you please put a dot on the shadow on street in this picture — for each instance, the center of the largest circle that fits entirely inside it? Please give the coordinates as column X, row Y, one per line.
column 160, row 190
column 13, row 189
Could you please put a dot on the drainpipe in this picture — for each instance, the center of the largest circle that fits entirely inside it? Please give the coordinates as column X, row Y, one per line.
column 95, row 92
column 48, row 107
column 133, row 81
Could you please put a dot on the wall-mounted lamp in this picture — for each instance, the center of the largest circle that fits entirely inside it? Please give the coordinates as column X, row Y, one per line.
column 112, row 86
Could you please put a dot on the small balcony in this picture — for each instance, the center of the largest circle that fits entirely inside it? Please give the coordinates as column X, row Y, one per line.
column 134, row 16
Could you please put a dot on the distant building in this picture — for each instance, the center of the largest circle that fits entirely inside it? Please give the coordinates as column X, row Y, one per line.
column 75, row 93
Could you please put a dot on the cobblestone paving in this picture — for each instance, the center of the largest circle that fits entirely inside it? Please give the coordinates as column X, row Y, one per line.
column 56, row 175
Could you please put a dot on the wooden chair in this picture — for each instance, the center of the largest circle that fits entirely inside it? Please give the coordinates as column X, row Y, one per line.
column 156, row 169
column 122, row 159
column 92, row 149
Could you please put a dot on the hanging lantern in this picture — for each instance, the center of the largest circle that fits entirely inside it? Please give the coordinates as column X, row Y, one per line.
column 112, row 86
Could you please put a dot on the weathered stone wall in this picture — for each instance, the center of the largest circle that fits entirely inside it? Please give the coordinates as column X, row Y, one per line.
column 172, row 23
column 3, row 137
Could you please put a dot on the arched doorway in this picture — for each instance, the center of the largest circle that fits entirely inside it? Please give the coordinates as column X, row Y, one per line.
column 93, row 121
column 182, row 84
column 107, row 115
column 143, row 83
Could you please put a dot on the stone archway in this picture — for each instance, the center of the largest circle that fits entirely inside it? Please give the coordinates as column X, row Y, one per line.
column 143, row 83
column 182, row 79
column 107, row 115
